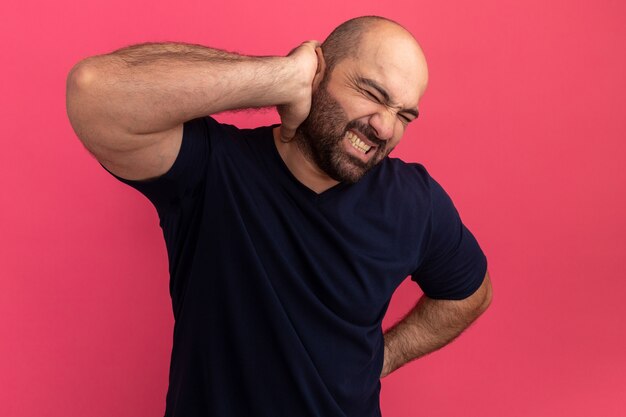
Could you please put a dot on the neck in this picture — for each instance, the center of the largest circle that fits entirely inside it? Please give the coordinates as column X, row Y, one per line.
column 301, row 167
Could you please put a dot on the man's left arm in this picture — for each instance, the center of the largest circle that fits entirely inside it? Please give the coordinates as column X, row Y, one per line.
column 432, row 324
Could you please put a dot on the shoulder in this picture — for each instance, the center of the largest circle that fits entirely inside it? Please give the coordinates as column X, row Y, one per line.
column 225, row 138
column 228, row 132
column 210, row 128
column 405, row 178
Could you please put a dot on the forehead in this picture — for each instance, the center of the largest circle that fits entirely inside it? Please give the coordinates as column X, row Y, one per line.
column 394, row 60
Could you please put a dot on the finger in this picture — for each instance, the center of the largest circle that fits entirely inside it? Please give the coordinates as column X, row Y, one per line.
column 307, row 44
column 286, row 135
column 320, row 58
column 313, row 43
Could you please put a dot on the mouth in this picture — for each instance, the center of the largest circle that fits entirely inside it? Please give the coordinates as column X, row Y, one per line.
column 358, row 143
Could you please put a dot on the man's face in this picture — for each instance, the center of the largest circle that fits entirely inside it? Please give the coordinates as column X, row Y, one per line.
column 360, row 110
column 327, row 128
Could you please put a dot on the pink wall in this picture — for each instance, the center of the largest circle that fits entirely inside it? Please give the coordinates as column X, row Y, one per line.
column 523, row 124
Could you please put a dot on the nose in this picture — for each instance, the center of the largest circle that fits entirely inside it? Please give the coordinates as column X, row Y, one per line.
column 383, row 123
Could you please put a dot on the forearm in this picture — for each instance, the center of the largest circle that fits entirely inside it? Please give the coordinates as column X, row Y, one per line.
column 154, row 87
column 430, row 325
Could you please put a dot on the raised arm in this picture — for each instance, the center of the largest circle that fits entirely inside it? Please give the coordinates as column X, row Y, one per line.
column 128, row 107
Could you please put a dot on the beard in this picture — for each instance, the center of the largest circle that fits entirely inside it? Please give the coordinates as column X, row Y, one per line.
column 321, row 134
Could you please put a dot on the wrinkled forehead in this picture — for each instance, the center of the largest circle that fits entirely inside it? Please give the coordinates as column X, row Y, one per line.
column 394, row 59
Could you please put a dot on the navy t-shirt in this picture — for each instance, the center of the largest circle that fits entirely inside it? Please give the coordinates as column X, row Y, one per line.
column 278, row 292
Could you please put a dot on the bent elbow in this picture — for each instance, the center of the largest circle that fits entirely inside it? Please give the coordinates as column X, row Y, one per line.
column 79, row 82
column 80, row 77
column 487, row 291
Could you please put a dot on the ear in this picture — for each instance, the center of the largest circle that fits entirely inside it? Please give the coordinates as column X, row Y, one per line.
column 321, row 68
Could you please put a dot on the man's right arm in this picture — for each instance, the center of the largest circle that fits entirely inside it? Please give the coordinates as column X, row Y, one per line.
column 128, row 107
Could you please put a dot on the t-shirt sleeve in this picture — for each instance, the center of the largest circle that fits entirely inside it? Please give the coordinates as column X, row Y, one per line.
column 186, row 174
column 453, row 266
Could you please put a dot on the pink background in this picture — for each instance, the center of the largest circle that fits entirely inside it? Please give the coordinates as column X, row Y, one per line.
column 523, row 124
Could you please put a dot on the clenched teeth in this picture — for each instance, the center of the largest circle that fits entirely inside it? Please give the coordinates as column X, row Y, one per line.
column 357, row 143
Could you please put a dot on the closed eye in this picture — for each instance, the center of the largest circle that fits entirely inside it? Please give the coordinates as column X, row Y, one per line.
column 405, row 119
column 408, row 117
column 403, row 115
column 371, row 96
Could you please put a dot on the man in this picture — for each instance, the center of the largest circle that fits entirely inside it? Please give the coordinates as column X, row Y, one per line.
column 285, row 243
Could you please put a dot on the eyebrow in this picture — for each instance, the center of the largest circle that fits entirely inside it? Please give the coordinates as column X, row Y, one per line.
column 381, row 90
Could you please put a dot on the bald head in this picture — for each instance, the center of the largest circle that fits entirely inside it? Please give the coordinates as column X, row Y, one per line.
column 345, row 41
column 374, row 37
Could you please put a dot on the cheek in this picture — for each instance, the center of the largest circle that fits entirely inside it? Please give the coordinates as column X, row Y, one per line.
column 398, row 132
column 358, row 109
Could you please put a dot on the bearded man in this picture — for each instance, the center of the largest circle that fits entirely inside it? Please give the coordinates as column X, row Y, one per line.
column 285, row 243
